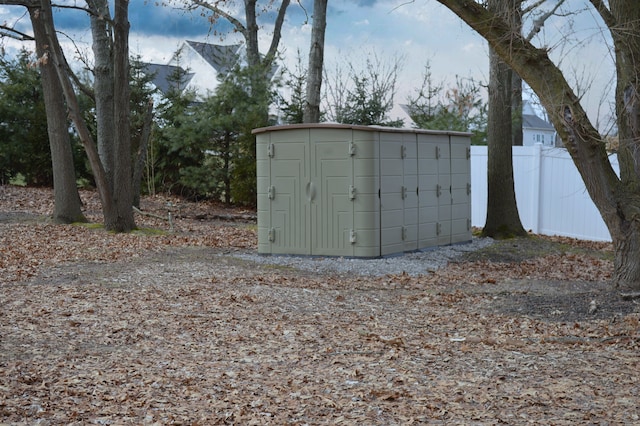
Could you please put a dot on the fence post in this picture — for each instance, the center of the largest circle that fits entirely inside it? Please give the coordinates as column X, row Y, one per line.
column 536, row 196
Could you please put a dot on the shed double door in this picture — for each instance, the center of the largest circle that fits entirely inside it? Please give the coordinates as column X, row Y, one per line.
column 311, row 194
column 398, row 193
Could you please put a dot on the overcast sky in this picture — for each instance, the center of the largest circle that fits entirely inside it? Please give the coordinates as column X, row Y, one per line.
column 418, row 31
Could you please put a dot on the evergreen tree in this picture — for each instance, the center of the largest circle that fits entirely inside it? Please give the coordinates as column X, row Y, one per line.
column 460, row 107
column 292, row 108
column 205, row 149
column 24, row 151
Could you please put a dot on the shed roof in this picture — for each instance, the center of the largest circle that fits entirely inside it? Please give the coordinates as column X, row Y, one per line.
column 358, row 127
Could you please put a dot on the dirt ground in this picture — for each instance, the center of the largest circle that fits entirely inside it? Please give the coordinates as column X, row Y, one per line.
column 166, row 326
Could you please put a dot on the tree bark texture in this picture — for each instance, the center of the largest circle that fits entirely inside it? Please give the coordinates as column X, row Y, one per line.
column 251, row 35
column 316, row 58
column 516, row 109
column 617, row 199
column 102, row 36
column 123, row 220
column 67, row 205
column 503, row 219
column 141, row 155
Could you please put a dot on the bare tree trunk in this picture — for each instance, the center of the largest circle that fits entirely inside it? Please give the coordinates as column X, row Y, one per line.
column 62, row 70
column 67, row 204
column 123, row 220
column 516, row 81
column 251, row 35
column 141, row 155
column 116, row 196
column 102, row 36
column 623, row 20
column 316, row 59
column 503, row 219
column 516, row 109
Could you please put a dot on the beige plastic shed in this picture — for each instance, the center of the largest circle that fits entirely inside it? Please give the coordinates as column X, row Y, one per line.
column 361, row 191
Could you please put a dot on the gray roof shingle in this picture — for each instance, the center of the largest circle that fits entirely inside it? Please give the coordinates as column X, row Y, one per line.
column 534, row 122
column 221, row 58
column 164, row 76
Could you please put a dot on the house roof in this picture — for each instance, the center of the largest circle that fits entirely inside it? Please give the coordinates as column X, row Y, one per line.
column 221, row 58
column 164, row 76
column 530, row 121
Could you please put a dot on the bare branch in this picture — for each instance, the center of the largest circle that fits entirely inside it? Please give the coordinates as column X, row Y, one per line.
column 532, row 6
column 402, row 5
column 277, row 31
column 239, row 26
column 82, row 9
column 6, row 31
column 604, row 12
column 76, row 80
column 538, row 23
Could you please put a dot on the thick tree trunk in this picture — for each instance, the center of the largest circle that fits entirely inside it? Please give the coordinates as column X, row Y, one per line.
column 251, row 35
column 503, row 219
column 316, row 59
column 625, row 29
column 627, row 257
column 123, row 219
column 67, row 204
column 103, row 85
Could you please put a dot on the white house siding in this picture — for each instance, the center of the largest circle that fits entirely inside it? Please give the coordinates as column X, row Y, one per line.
column 535, row 130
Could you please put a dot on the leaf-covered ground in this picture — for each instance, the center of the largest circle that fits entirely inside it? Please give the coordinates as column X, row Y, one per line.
column 170, row 328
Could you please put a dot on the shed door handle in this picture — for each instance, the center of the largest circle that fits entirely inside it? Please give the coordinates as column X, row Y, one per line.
column 311, row 191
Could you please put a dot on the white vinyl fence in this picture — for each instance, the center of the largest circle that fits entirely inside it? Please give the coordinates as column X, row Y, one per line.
column 552, row 199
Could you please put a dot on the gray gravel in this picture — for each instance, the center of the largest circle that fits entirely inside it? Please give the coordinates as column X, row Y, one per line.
column 416, row 263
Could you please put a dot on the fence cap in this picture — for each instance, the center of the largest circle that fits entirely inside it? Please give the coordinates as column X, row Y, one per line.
column 358, row 127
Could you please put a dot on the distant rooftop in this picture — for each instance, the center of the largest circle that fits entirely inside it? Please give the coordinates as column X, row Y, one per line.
column 530, row 121
column 218, row 60
column 164, row 76
column 221, row 58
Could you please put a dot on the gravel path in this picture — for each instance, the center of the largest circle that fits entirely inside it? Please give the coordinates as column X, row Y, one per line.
column 416, row 263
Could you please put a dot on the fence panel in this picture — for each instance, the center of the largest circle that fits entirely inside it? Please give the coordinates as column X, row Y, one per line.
column 552, row 199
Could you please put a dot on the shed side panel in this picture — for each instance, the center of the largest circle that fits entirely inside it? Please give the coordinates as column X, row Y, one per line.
column 460, row 189
column 443, row 156
column 263, row 177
